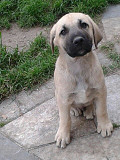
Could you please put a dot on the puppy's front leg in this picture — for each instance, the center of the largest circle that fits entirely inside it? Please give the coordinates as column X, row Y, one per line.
column 63, row 134
column 105, row 126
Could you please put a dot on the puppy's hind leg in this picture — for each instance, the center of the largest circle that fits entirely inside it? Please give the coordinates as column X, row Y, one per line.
column 75, row 111
column 89, row 112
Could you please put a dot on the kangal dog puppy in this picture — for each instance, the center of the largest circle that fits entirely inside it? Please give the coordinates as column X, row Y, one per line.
column 78, row 76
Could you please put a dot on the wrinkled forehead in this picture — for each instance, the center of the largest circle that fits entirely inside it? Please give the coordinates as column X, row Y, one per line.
column 72, row 19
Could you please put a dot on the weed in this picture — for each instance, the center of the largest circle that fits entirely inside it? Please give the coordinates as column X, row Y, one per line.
column 109, row 50
column 2, row 124
column 107, row 46
column 116, row 125
column 114, row 56
column 105, row 70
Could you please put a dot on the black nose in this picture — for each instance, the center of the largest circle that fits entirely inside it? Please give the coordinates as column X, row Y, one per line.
column 78, row 41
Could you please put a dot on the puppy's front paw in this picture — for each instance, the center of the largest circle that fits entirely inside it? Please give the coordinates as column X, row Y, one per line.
column 105, row 129
column 62, row 138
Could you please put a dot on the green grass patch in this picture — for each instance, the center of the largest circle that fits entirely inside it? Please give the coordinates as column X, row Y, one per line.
column 2, row 124
column 105, row 70
column 22, row 70
column 116, row 125
column 114, row 1
column 29, row 13
column 109, row 50
column 107, row 47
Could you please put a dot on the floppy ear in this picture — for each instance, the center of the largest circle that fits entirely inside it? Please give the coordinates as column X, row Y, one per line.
column 52, row 36
column 96, row 32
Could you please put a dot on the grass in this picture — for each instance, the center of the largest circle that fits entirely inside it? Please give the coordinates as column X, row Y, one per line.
column 105, row 70
column 25, row 69
column 116, row 125
column 108, row 48
column 2, row 124
column 29, row 13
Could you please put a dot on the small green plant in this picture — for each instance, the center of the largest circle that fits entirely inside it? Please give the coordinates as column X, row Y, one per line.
column 105, row 70
column 109, row 46
column 109, row 50
column 114, row 56
column 2, row 124
column 116, row 125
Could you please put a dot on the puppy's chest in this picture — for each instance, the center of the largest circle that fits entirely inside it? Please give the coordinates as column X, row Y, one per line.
column 83, row 93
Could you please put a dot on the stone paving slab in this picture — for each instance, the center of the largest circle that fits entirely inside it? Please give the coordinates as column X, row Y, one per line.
column 104, row 61
column 113, row 98
column 111, row 27
column 39, row 126
column 36, row 127
column 111, row 146
column 11, row 151
column 117, row 48
column 19, row 104
column 27, row 100
column 92, row 147
column 83, row 148
column 111, row 21
column 8, row 110
column 112, row 11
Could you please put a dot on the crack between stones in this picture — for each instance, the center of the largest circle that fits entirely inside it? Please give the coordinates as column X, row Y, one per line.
column 51, row 143
column 47, row 144
column 21, row 146
column 17, row 103
column 14, row 141
column 12, row 99
column 107, row 158
column 35, row 156
column 40, row 146
column 21, row 113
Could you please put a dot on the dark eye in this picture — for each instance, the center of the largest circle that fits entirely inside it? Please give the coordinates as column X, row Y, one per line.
column 63, row 32
column 84, row 25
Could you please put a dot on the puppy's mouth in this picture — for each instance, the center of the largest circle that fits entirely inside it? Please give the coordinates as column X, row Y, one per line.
column 79, row 53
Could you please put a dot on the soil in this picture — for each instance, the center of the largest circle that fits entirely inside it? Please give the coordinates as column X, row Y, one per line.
column 20, row 37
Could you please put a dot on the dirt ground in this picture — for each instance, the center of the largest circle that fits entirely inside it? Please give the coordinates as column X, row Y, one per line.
column 20, row 37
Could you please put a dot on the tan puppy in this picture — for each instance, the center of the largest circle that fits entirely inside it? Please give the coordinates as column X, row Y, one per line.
column 78, row 76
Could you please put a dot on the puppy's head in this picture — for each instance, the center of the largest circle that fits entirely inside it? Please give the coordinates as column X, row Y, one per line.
column 75, row 34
